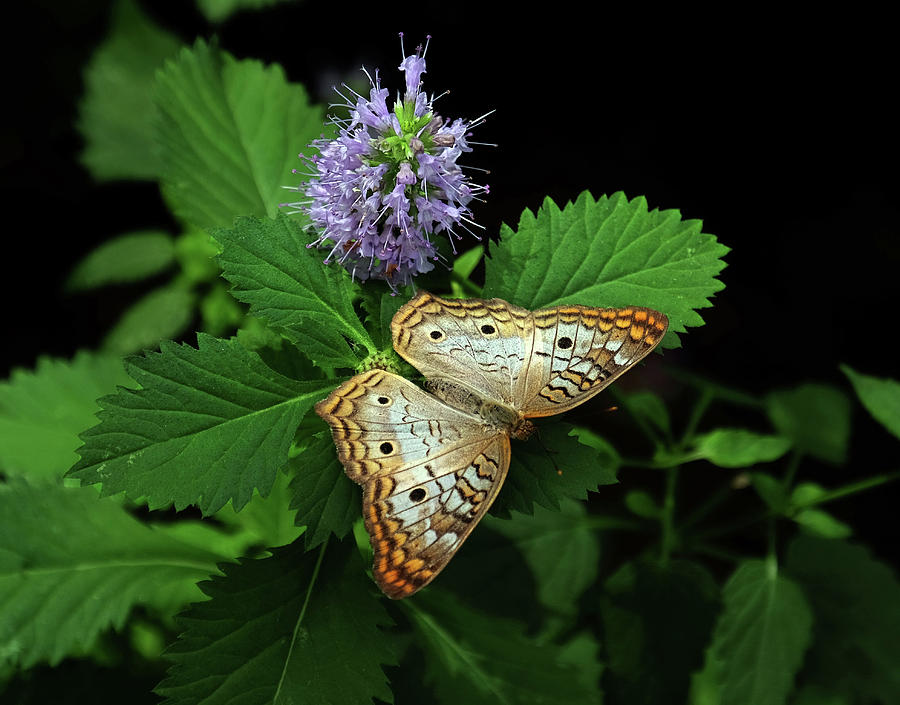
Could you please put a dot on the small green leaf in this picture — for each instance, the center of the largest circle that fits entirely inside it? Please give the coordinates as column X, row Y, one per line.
column 739, row 448
column 217, row 11
column 815, row 417
column 162, row 314
column 230, row 132
column 608, row 252
column 657, row 621
column 771, row 491
column 642, row 504
column 42, row 412
column 856, row 604
column 73, row 565
column 552, row 466
column 820, row 523
column 311, row 304
column 126, row 258
column 292, row 628
column 880, row 396
column 117, row 113
column 209, row 426
column 476, row 658
column 326, row 500
column 648, row 406
column 761, row 637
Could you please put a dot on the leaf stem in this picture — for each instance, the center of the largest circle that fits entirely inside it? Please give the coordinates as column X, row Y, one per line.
column 850, row 489
column 667, row 519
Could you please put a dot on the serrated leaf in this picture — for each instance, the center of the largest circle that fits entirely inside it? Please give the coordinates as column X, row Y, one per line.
column 739, row 448
column 550, row 467
column 268, row 520
column 162, row 314
column 815, row 417
column 608, row 252
column 560, row 547
column 73, row 565
column 292, row 628
column 856, row 603
column 761, row 637
column 126, row 258
column 656, row 621
column 475, row 658
column 326, row 500
column 880, row 396
column 210, row 424
column 311, row 304
column 230, row 132
column 117, row 115
column 42, row 412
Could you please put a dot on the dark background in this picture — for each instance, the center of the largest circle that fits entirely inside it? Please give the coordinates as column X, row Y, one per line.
column 778, row 132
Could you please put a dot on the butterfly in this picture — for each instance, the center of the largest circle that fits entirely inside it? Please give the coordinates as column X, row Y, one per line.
column 432, row 462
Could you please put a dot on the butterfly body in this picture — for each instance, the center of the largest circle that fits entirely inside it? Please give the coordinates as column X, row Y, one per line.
column 431, row 463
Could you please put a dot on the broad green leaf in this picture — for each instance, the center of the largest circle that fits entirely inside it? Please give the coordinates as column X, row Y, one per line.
column 475, row 658
column 608, row 252
column 126, row 258
column 117, row 115
column 739, row 448
column 42, row 412
column 210, row 424
column 761, row 636
column 560, row 547
column 814, row 695
column 219, row 10
column 582, row 653
column 230, row 132
column 856, row 604
column 326, row 500
column 292, row 628
column 162, row 314
column 880, row 396
column 73, row 565
column 550, row 467
column 311, row 304
column 656, row 621
column 815, row 417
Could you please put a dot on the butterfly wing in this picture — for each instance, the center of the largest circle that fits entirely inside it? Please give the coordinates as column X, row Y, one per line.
column 479, row 344
column 579, row 350
column 429, row 473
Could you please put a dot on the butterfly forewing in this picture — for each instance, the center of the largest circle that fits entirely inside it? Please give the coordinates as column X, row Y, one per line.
column 429, row 472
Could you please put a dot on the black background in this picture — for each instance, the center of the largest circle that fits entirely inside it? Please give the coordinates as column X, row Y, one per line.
column 778, row 132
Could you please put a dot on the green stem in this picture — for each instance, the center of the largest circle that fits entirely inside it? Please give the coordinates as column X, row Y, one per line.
column 850, row 489
column 719, row 496
column 706, row 396
column 791, row 472
column 667, row 519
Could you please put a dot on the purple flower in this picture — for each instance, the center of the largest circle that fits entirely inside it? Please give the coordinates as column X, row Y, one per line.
column 389, row 182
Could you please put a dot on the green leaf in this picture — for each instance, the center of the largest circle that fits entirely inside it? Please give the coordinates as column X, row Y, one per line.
column 126, row 258
column 266, row 521
column 642, row 504
column 560, row 547
column 648, row 406
column 380, row 307
column 550, row 467
column 293, row 628
column 230, row 132
column 821, row 523
column 73, row 565
column 760, row 638
column 117, row 115
column 815, row 417
column 209, row 426
column 608, row 252
column 657, row 621
column 162, row 314
column 42, row 412
column 311, row 304
column 770, row 490
column 475, row 658
column 856, row 604
column 326, row 500
column 219, row 10
column 880, row 396
column 739, row 448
